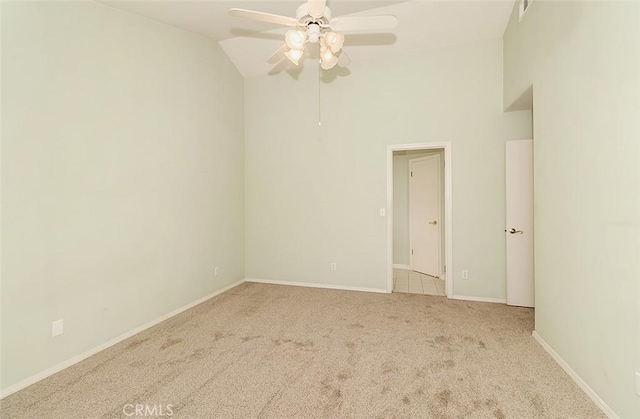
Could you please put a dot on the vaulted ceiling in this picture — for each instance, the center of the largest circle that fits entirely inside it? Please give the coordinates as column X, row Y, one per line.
column 422, row 24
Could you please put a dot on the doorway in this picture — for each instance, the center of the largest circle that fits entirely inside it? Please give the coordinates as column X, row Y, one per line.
column 419, row 224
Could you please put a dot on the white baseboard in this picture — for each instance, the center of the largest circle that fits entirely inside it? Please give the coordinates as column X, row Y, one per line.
column 480, row 299
column 574, row 375
column 69, row 362
column 312, row 285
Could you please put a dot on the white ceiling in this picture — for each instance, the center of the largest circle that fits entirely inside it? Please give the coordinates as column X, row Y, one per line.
column 211, row 17
column 422, row 24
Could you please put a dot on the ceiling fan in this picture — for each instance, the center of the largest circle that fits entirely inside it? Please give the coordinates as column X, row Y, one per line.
column 313, row 24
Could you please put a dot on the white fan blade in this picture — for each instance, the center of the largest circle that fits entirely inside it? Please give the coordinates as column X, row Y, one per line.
column 344, row 60
column 316, row 7
column 278, row 55
column 363, row 23
column 264, row 17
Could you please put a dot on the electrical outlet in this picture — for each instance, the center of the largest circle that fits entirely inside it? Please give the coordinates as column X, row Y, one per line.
column 57, row 328
column 215, row 271
column 333, row 266
column 465, row 274
column 638, row 383
column 383, row 212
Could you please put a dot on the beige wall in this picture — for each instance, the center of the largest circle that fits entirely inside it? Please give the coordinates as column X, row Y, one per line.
column 583, row 62
column 313, row 193
column 122, row 176
column 401, row 210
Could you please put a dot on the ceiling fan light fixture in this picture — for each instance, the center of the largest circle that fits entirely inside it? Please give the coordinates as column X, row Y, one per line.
column 328, row 60
column 295, row 39
column 294, row 55
column 334, row 41
column 313, row 32
column 313, row 24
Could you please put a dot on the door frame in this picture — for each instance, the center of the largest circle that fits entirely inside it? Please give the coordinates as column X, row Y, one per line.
column 437, row 156
column 448, row 212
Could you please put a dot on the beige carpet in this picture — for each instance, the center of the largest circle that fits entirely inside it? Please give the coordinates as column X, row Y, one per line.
column 277, row 351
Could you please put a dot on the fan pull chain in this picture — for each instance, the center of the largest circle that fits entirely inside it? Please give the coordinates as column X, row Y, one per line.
column 319, row 102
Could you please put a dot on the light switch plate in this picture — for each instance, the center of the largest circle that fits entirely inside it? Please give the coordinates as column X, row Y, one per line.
column 57, row 328
column 638, row 383
column 383, row 212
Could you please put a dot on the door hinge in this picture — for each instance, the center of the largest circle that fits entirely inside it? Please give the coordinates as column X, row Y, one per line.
column 412, row 174
column 411, row 251
column 445, row 268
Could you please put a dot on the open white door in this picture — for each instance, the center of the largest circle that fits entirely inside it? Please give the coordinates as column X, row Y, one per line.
column 519, row 228
column 424, row 214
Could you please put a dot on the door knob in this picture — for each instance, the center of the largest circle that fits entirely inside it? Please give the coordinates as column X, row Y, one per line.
column 514, row 231
column 434, row 222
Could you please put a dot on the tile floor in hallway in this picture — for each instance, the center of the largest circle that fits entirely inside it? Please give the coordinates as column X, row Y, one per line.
column 413, row 282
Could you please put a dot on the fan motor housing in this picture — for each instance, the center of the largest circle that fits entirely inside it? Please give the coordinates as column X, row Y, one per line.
column 303, row 16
